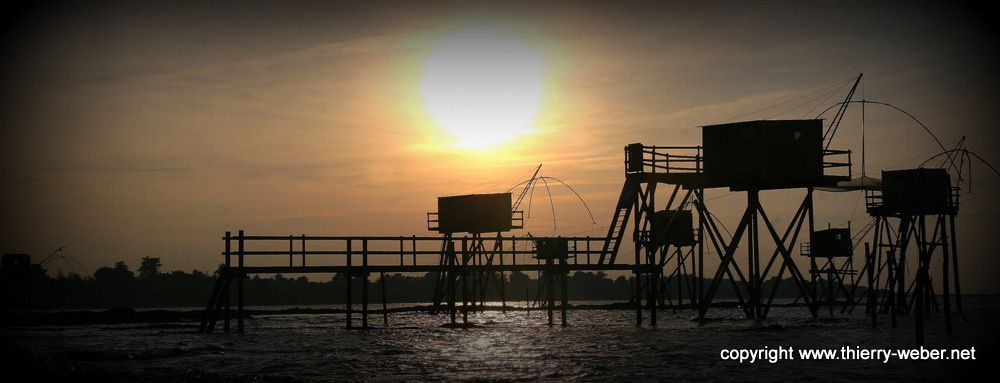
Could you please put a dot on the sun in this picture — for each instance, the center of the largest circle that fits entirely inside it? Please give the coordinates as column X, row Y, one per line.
column 483, row 85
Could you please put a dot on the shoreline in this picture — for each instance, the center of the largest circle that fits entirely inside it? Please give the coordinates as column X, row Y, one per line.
column 130, row 315
column 82, row 317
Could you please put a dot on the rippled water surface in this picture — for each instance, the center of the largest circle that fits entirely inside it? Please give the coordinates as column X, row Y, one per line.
column 598, row 345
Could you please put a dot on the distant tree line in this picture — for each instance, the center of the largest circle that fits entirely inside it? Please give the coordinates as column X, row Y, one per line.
column 118, row 286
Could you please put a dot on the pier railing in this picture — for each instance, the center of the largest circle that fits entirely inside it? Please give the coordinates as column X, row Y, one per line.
column 641, row 158
column 398, row 253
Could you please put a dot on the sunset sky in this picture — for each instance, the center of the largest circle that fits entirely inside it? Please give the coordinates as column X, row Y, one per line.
column 150, row 129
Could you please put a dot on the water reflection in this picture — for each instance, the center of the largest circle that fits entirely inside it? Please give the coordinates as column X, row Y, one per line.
column 517, row 345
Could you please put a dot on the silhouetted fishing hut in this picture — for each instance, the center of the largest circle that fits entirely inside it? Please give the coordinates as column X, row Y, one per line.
column 750, row 157
column 916, row 207
column 831, row 259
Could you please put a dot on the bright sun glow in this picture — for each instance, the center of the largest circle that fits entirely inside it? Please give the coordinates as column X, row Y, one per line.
column 483, row 85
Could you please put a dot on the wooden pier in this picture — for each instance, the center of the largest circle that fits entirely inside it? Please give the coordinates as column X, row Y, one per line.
column 463, row 274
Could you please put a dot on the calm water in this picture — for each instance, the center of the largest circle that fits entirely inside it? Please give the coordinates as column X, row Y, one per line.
column 598, row 345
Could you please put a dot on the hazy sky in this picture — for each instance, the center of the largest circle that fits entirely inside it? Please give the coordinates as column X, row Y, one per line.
column 149, row 129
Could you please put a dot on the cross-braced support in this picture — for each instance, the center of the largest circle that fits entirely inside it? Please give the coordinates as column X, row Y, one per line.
column 885, row 268
column 756, row 307
column 654, row 247
column 475, row 282
column 831, row 279
column 679, row 264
